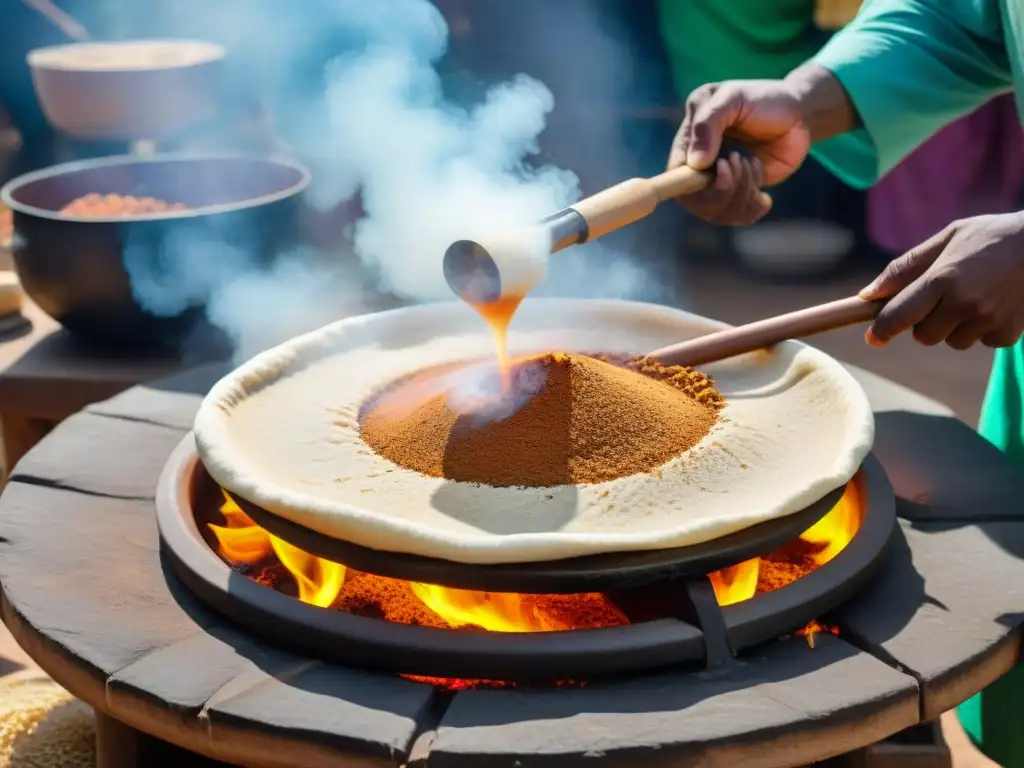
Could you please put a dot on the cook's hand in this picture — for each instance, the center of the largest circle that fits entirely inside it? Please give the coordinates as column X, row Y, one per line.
column 964, row 285
column 765, row 118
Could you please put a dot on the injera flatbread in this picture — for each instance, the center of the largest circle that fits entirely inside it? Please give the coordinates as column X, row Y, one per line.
column 282, row 432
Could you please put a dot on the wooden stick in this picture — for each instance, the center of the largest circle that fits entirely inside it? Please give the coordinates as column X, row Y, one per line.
column 764, row 333
column 635, row 199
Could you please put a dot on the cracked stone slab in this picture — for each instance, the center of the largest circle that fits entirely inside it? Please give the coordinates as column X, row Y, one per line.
column 171, row 402
column 941, row 469
column 341, row 714
column 939, row 466
column 83, row 575
column 786, row 704
column 947, row 606
column 100, row 455
column 86, row 594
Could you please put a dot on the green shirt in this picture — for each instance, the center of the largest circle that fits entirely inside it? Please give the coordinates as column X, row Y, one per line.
column 911, row 67
column 711, row 40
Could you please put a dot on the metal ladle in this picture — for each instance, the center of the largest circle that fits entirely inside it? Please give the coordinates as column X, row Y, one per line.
column 490, row 269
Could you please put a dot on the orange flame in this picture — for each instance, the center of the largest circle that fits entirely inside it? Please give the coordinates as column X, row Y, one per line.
column 836, row 529
column 496, row 611
column 812, row 629
column 242, row 541
column 736, row 583
column 827, row 538
column 320, row 583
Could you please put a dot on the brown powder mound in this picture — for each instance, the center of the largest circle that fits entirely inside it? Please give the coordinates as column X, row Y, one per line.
column 697, row 385
column 581, row 420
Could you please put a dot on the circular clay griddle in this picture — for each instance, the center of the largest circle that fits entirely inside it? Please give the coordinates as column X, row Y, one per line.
column 593, row 573
column 284, row 432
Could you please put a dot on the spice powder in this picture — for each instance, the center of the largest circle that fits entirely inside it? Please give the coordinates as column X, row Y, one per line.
column 592, row 420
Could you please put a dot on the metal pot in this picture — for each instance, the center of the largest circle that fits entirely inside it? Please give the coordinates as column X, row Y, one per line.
column 90, row 274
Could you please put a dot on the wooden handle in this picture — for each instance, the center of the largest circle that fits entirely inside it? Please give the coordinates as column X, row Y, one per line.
column 764, row 333
column 634, row 199
column 680, row 181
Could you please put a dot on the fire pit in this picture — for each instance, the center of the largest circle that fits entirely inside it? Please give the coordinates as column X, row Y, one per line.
column 582, row 617
column 88, row 593
column 628, row 609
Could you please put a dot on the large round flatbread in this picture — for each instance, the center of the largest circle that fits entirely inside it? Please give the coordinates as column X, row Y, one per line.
column 282, row 432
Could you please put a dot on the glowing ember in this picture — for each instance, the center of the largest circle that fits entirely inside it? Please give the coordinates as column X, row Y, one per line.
column 813, row 629
column 815, row 547
column 279, row 565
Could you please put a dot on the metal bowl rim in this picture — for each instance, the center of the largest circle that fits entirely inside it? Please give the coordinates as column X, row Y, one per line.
column 8, row 191
column 214, row 52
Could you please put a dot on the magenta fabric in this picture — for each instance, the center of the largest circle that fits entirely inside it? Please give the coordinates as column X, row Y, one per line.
column 971, row 167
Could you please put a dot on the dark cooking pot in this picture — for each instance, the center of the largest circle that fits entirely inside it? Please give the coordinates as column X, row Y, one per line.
column 80, row 270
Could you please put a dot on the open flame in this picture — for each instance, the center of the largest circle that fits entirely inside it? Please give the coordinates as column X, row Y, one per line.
column 819, row 544
column 835, row 530
column 242, row 541
column 500, row 612
column 320, row 582
column 736, row 583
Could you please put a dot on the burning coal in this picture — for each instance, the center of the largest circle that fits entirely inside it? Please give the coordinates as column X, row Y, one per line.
column 268, row 560
column 429, row 170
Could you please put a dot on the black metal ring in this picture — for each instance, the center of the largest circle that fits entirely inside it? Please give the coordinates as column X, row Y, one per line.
column 592, row 573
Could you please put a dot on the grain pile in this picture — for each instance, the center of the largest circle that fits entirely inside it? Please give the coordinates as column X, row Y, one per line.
column 591, row 421
column 118, row 205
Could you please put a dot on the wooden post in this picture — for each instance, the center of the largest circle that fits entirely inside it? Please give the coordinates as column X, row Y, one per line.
column 121, row 746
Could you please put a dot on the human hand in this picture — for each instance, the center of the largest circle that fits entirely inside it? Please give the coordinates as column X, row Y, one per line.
column 964, row 285
column 765, row 117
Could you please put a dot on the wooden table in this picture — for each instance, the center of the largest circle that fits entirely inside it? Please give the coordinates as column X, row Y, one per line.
column 85, row 592
column 45, row 376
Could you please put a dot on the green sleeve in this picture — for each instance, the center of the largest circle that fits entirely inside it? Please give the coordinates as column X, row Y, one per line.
column 910, row 68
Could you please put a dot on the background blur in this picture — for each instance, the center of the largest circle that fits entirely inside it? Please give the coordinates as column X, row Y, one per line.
column 619, row 71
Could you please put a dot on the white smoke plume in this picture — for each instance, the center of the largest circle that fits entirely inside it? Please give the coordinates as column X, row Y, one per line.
column 429, row 170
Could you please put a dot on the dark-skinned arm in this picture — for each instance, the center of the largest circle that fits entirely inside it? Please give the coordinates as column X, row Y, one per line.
column 827, row 108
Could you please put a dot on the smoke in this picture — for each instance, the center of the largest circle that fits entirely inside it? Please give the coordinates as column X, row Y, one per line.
column 477, row 391
column 376, row 122
column 432, row 173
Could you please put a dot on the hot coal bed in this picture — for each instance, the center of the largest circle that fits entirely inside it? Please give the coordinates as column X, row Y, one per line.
column 541, row 624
